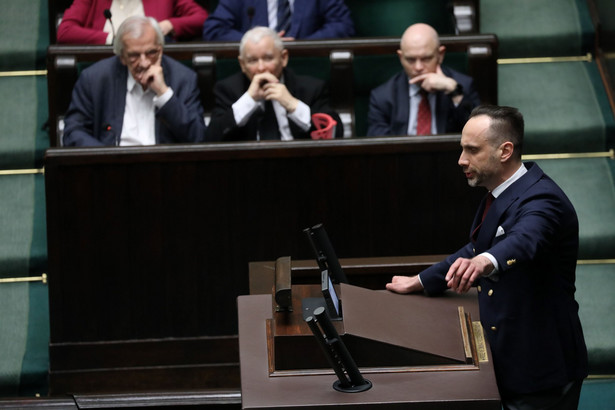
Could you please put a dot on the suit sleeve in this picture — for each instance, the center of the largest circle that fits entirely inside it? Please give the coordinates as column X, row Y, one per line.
column 378, row 115
column 78, row 122
column 188, row 18
column 73, row 28
column 334, row 21
column 432, row 278
column 224, row 24
column 182, row 115
column 223, row 125
column 460, row 113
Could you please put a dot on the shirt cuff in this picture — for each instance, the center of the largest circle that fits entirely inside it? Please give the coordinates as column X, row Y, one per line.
column 302, row 116
column 160, row 101
column 243, row 109
column 493, row 261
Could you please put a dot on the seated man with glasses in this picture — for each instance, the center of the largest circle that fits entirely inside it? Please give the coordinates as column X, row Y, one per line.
column 138, row 97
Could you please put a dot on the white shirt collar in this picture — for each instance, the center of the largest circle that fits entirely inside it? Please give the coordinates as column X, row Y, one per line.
column 502, row 187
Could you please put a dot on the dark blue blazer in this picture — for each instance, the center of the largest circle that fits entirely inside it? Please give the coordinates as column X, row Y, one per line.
column 389, row 106
column 313, row 19
column 528, row 310
column 96, row 112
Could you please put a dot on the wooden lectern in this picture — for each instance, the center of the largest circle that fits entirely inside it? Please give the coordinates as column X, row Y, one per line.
column 419, row 352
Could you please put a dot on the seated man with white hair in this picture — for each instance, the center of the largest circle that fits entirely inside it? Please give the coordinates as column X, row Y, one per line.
column 138, row 97
column 266, row 100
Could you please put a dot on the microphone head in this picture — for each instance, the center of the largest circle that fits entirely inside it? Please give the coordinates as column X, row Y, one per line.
column 250, row 11
column 107, row 13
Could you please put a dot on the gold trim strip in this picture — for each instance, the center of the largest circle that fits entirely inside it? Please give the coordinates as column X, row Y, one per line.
column 42, row 278
column 596, row 262
column 587, row 58
column 609, row 154
column 601, row 376
column 26, row 73
column 22, row 171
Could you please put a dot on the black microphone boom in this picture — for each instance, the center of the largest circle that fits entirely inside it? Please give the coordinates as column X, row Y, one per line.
column 107, row 14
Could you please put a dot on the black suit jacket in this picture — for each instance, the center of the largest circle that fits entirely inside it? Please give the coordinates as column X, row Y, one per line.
column 528, row 311
column 96, row 112
column 389, row 106
column 223, row 127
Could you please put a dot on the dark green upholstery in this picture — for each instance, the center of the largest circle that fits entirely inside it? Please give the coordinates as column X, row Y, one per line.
column 24, row 338
column 24, row 323
column 589, row 184
column 23, row 248
column 597, row 394
column 24, row 141
column 564, row 104
column 391, row 17
column 24, row 311
column 530, row 28
column 595, row 284
column 24, row 34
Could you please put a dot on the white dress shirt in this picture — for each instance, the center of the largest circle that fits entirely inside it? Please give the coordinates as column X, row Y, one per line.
column 246, row 106
column 139, row 127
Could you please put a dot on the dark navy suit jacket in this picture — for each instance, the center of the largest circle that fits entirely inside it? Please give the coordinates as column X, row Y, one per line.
column 528, row 310
column 313, row 19
column 96, row 112
column 389, row 106
column 223, row 127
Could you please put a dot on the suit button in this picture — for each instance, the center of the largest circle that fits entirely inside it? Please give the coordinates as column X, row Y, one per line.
column 490, row 292
column 494, row 328
column 479, row 288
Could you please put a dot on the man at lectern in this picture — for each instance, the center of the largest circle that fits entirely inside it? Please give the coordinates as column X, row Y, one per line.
column 522, row 256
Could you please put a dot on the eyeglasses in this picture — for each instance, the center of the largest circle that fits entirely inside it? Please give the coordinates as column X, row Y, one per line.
column 149, row 54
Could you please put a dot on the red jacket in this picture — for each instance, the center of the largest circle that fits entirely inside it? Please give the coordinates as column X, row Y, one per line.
column 84, row 20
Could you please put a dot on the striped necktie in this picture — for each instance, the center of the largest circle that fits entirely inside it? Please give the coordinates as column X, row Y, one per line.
column 283, row 16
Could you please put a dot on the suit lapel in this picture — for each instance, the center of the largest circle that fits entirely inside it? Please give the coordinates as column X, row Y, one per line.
column 501, row 204
column 118, row 99
column 402, row 112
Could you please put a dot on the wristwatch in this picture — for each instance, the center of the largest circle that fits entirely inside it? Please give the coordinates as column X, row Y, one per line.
column 457, row 91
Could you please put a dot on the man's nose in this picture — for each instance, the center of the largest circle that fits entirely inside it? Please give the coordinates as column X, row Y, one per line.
column 463, row 161
column 261, row 66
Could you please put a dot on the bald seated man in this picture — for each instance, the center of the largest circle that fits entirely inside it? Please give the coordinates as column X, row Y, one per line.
column 394, row 105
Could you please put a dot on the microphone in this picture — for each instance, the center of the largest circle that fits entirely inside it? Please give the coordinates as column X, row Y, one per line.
column 107, row 14
column 250, row 11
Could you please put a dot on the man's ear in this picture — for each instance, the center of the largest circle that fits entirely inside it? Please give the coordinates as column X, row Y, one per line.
column 507, row 151
column 441, row 53
column 284, row 58
column 241, row 65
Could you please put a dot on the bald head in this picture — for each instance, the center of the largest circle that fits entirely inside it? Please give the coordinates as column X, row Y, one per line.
column 420, row 51
column 420, row 34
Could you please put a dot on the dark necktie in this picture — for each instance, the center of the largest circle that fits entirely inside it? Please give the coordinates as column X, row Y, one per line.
column 488, row 202
column 423, row 121
column 283, row 16
column 268, row 125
